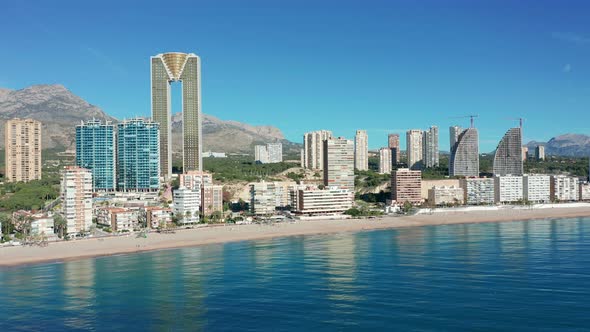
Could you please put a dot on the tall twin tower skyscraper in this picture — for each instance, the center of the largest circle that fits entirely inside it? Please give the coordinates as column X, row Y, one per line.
column 165, row 69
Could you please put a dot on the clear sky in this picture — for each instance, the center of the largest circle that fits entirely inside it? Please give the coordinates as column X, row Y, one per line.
column 383, row 66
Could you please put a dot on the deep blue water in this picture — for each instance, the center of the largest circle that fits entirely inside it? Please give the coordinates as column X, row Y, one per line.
column 513, row 276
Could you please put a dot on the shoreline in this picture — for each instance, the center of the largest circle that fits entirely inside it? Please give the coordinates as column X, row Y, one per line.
column 64, row 251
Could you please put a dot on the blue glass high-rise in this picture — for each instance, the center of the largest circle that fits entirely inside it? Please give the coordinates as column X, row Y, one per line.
column 95, row 150
column 138, row 155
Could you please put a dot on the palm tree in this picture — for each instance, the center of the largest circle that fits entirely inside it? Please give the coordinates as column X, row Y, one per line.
column 60, row 224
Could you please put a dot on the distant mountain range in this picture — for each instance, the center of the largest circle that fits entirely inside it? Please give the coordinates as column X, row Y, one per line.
column 60, row 111
column 570, row 145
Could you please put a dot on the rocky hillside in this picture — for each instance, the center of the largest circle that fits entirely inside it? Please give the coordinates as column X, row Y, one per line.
column 60, row 111
column 571, row 145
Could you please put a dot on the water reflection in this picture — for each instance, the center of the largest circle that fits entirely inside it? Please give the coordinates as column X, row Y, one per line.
column 79, row 294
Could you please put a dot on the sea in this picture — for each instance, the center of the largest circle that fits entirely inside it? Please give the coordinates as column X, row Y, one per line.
column 509, row 276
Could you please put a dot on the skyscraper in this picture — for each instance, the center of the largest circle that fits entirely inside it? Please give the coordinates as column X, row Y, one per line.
column 165, row 69
column 22, row 142
column 540, row 152
column 430, row 153
column 393, row 144
column 76, row 199
column 95, row 150
column 464, row 160
column 508, row 157
column 361, row 150
column 138, row 155
column 414, row 149
column 339, row 163
column 385, row 160
column 269, row 153
column 454, row 132
column 313, row 146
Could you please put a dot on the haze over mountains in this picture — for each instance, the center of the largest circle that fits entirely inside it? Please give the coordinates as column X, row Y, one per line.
column 571, row 145
column 60, row 111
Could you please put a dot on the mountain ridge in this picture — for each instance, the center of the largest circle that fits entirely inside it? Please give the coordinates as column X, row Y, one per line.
column 60, row 110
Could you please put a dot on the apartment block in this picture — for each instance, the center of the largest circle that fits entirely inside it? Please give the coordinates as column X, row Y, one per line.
column 311, row 201
column 155, row 216
column 430, row 151
column 537, row 188
column 406, row 186
column 445, row 195
column 478, row 191
column 187, row 204
column 584, row 194
column 361, row 150
column 266, row 197
column 394, row 146
column 313, row 146
column 385, row 161
column 76, row 197
column 95, row 150
column 564, row 188
column 414, row 147
column 508, row 189
column 22, row 143
column 269, row 153
column 118, row 219
column 138, row 160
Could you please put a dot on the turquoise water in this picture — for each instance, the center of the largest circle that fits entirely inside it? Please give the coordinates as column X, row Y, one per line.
column 513, row 276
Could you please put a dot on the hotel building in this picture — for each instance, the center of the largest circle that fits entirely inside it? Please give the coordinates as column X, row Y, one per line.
column 186, row 68
column 464, row 159
column 406, row 186
column 339, row 163
column 311, row 201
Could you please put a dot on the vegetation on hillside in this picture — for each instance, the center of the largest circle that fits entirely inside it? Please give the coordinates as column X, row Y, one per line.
column 241, row 169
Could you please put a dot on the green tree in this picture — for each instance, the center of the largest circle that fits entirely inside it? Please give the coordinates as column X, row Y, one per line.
column 60, row 224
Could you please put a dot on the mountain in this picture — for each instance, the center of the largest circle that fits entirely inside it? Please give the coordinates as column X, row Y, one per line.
column 569, row 145
column 59, row 110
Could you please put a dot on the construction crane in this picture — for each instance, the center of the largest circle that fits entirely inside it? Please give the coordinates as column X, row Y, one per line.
column 466, row 116
column 520, row 120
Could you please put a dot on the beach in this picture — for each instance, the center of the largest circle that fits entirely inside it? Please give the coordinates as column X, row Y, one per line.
column 95, row 247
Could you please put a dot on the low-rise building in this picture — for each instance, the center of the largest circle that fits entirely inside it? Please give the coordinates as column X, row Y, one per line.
column 312, row 201
column 584, row 194
column 154, row 216
column 446, row 196
column 508, row 189
column 212, row 199
column 564, row 188
column 187, row 204
column 42, row 224
column 117, row 218
column 478, row 191
column 266, row 197
column 537, row 188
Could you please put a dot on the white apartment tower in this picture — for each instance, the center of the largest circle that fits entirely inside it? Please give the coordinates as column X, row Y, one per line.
column 430, row 153
column 76, row 197
column 414, row 149
column 537, row 188
column 361, row 150
column 313, row 148
column 385, row 160
column 508, row 188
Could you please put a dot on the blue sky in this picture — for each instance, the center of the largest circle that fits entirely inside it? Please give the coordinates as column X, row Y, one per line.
column 384, row 66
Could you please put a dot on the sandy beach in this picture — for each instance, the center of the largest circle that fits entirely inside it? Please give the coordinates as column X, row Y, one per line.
column 78, row 249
